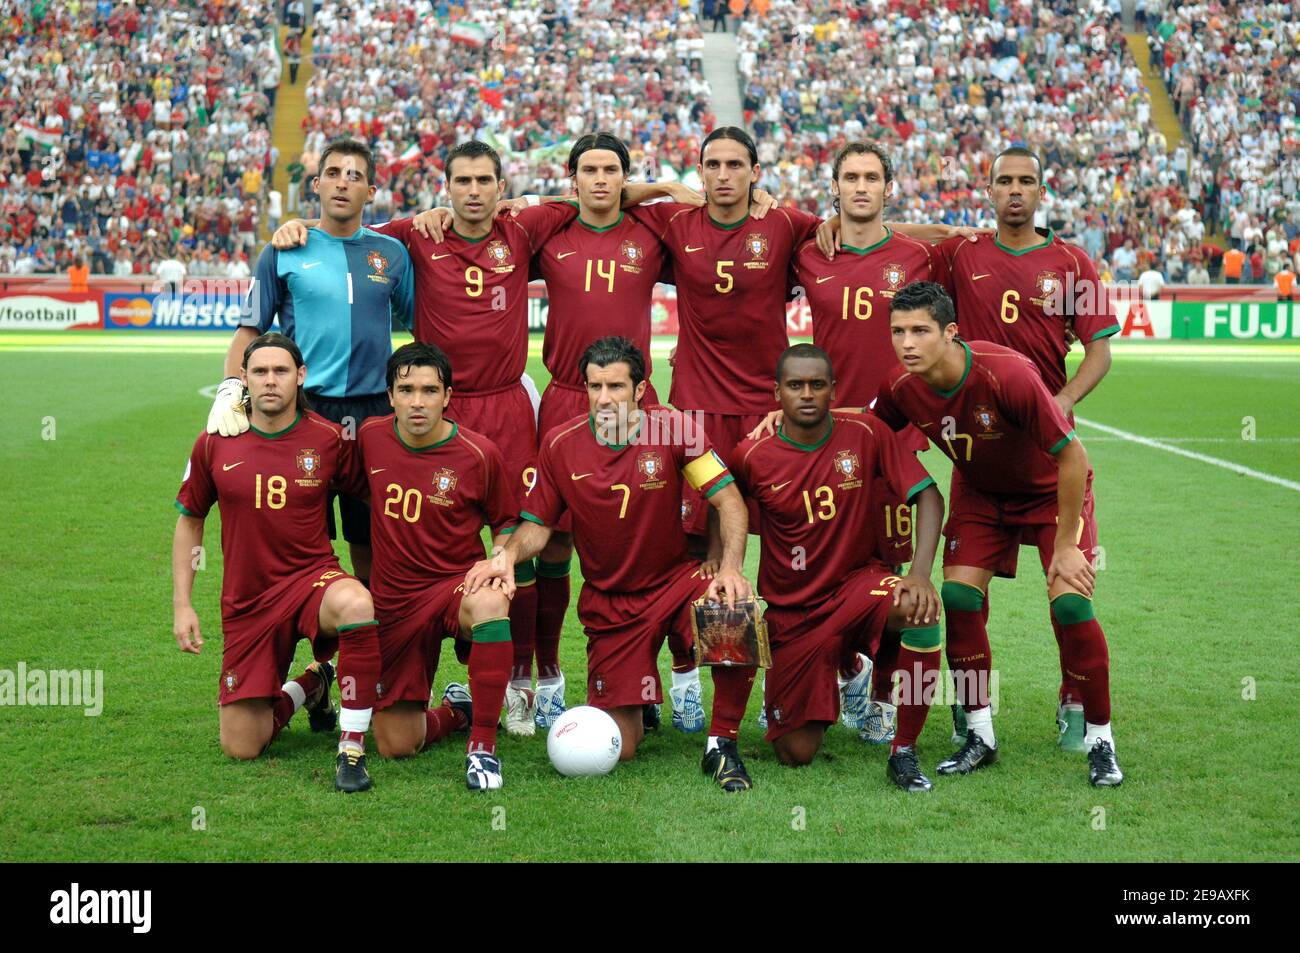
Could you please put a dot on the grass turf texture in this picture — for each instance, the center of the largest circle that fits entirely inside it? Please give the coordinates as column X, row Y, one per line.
column 1196, row 596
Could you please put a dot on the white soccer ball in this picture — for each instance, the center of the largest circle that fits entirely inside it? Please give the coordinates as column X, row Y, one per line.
column 584, row 742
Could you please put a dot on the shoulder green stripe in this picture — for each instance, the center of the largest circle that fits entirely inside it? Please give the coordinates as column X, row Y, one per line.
column 1060, row 444
column 911, row 494
column 1105, row 332
column 181, row 507
column 524, row 514
column 725, row 481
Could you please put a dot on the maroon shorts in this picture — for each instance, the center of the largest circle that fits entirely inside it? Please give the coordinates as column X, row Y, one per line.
column 724, row 432
column 810, row 645
column 625, row 632
column 505, row 416
column 409, row 645
column 257, row 647
column 560, row 404
column 987, row 533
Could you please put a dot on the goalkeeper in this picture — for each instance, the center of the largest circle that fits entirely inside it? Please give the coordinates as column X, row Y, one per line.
column 334, row 296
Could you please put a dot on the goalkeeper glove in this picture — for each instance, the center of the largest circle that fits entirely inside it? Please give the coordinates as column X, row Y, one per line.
column 228, row 416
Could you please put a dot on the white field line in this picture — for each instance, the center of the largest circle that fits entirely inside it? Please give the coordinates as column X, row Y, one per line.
column 1190, row 454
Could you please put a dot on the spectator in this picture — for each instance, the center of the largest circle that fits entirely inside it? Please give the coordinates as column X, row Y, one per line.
column 293, row 55
column 238, row 267
column 274, row 209
column 123, row 267
column 1284, row 281
column 1233, row 261
column 294, row 171
column 171, row 276
column 79, row 277
column 1125, row 261
column 1149, row 283
column 1198, row 274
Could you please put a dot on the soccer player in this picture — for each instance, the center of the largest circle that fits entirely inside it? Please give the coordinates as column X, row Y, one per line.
column 1024, row 290
column 1019, row 476
column 433, row 486
column 818, row 483
column 619, row 472
column 282, row 580
column 335, row 296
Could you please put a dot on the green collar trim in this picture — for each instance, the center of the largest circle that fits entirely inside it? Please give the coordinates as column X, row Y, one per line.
column 278, row 433
column 945, row 394
column 808, row 447
column 869, row 248
column 601, row 228
column 591, row 423
column 455, row 429
column 732, row 226
column 472, row 241
column 1025, row 251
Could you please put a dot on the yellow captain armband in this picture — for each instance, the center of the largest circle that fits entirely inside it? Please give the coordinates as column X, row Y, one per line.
column 703, row 469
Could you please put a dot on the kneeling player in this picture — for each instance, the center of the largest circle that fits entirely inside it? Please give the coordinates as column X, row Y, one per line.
column 1019, row 476
column 619, row 471
column 819, row 481
column 433, row 486
column 282, row 581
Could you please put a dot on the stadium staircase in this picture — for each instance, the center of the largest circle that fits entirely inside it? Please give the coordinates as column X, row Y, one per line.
column 290, row 110
column 720, row 69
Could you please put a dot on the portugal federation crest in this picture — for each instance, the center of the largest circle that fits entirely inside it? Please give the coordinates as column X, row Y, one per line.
column 230, row 680
column 308, row 462
column 895, row 275
column 378, row 262
column 846, row 462
column 499, row 252
column 444, row 482
column 651, row 466
column 1048, row 282
column 756, row 244
column 632, row 253
column 985, row 417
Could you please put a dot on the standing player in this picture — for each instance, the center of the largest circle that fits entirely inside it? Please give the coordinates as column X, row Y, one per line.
column 1019, row 476
column 434, row 485
column 335, row 297
column 282, row 580
column 1022, row 290
column 619, row 472
column 818, row 484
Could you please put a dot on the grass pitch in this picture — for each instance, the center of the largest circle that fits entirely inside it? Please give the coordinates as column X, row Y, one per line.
column 1197, row 598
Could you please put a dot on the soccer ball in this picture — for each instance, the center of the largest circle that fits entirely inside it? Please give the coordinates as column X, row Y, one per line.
column 584, row 742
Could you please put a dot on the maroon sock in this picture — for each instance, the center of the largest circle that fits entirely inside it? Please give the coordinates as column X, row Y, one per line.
column 489, row 671
column 282, row 705
column 523, row 630
column 969, row 657
column 731, row 688
column 439, row 723
column 552, row 604
column 359, row 667
column 920, row 671
column 1071, row 692
column 850, row 664
column 1088, row 661
column 882, row 675
column 682, row 647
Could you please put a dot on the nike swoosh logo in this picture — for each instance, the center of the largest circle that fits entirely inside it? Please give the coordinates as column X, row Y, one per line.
column 579, row 476
column 689, row 249
column 378, row 470
column 827, row 278
column 310, row 264
column 440, row 257
column 231, row 466
column 560, row 256
column 978, row 277
column 778, row 487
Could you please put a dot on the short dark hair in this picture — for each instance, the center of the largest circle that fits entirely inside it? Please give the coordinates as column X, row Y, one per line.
column 474, row 149
column 273, row 339
column 803, row 350
column 736, row 134
column 599, row 140
column 928, row 296
column 1018, row 151
column 862, row 149
column 351, row 147
column 418, row 354
column 613, row 350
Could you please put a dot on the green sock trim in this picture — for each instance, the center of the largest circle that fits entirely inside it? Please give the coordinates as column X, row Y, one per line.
column 553, row 570
column 1070, row 607
column 494, row 630
column 925, row 639
column 525, row 573
column 961, row 597
column 357, row 625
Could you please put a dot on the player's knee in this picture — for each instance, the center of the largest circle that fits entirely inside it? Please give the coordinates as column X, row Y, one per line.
column 487, row 604
column 960, row 597
column 1070, row 608
column 243, row 747
column 396, row 744
column 794, row 752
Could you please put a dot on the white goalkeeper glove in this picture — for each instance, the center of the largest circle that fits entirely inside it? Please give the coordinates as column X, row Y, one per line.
column 228, row 416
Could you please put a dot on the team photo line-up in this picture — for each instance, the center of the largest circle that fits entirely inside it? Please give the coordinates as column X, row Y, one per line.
column 921, row 334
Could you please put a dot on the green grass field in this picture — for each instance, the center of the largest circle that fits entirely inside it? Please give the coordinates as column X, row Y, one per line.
column 1197, row 598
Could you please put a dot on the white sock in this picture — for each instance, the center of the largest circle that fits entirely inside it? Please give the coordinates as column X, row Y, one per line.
column 1095, row 733
column 980, row 721
column 711, row 743
column 550, row 682
column 297, row 693
column 866, row 667
column 686, row 679
column 521, row 683
column 355, row 719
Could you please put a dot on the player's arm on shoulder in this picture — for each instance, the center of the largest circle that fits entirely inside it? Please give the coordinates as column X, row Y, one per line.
column 293, row 233
column 187, row 542
column 637, row 193
column 432, row 223
column 935, row 232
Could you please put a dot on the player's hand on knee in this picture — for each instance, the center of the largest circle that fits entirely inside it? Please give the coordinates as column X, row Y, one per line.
column 432, row 222
column 918, row 600
column 761, row 202
column 228, row 416
column 767, row 426
column 185, row 626
column 730, row 587
column 828, row 236
column 672, row 356
column 1072, row 568
column 291, row 234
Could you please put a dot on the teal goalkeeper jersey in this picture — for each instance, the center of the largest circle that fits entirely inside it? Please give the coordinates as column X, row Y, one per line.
column 335, row 298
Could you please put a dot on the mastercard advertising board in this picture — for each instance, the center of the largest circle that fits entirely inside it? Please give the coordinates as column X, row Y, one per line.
column 151, row 311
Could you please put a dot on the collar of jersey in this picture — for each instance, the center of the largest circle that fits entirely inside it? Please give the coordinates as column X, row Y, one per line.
column 455, row 429
column 591, row 423
column 727, row 228
column 278, row 433
column 808, row 447
column 945, row 394
column 335, row 238
column 466, row 238
column 601, row 228
column 869, row 248
column 1025, row 251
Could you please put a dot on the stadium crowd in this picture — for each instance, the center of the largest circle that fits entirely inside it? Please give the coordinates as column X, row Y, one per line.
column 134, row 134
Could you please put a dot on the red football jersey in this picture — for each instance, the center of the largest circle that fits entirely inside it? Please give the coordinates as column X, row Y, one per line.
column 1000, row 425
column 625, row 500
column 272, row 490
column 599, row 281
column 731, row 295
column 1004, row 296
column 428, row 507
column 820, row 505
column 850, row 301
column 471, row 295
